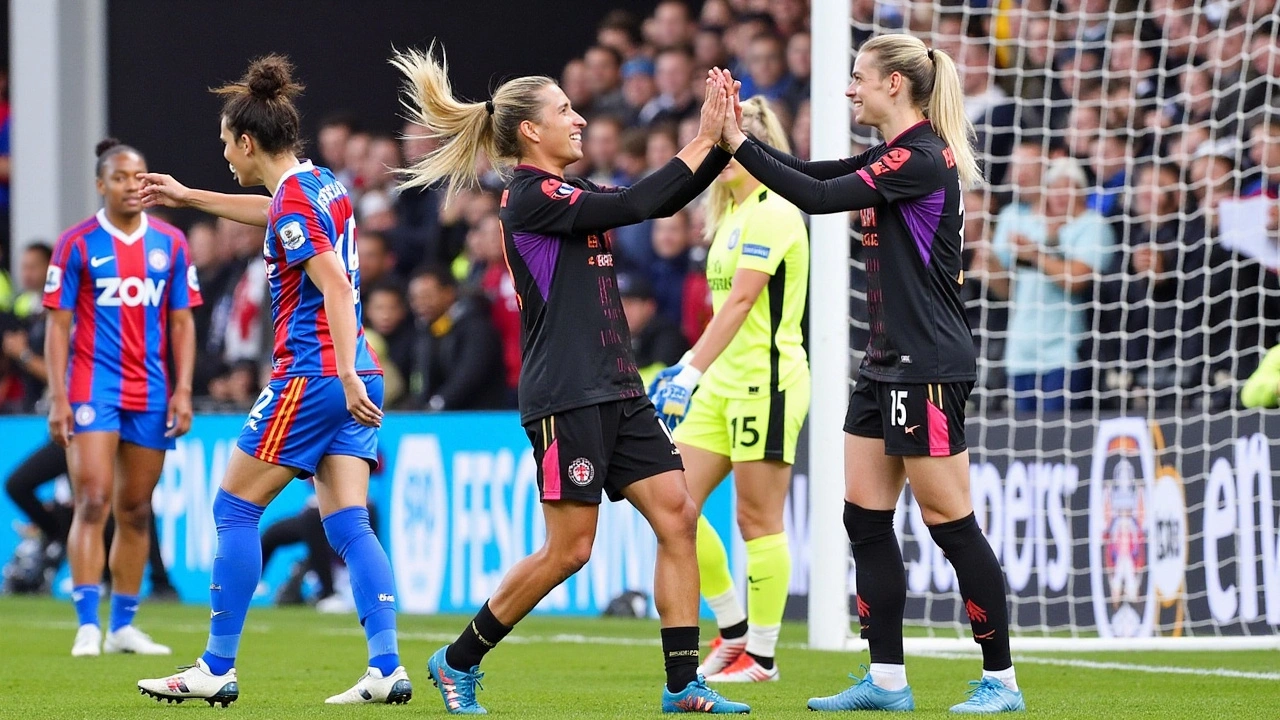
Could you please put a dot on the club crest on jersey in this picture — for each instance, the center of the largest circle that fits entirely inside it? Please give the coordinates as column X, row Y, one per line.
column 581, row 472
column 158, row 260
column 291, row 235
column 193, row 280
column 558, row 189
column 734, row 237
column 891, row 161
column 85, row 415
column 53, row 279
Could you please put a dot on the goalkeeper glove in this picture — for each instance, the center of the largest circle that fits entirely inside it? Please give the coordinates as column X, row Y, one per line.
column 673, row 399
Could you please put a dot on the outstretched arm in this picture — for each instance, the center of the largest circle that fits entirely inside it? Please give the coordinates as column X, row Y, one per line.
column 816, row 169
column 855, row 191
column 164, row 190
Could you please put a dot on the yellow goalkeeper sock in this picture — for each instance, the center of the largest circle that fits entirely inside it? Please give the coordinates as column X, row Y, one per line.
column 768, row 578
column 717, row 583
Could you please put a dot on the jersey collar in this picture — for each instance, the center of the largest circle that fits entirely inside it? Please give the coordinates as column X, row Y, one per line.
column 906, row 133
column 304, row 166
column 118, row 234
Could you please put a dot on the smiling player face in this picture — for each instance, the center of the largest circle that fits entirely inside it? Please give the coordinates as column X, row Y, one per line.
column 236, row 151
column 119, row 184
column 559, row 129
column 869, row 90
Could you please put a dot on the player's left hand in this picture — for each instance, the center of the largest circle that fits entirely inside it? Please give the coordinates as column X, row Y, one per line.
column 664, row 376
column 364, row 410
column 674, row 398
column 179, row 420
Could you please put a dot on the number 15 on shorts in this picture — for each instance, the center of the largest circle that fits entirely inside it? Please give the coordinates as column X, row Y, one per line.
column 897, row 408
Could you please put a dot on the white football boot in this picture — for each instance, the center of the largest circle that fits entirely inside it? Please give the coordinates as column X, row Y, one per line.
column 372, row 687
column 194, row 683
column 130, row 639
column 88, row 642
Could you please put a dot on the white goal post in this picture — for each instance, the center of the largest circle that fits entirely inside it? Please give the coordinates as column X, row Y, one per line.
column 1147, row 514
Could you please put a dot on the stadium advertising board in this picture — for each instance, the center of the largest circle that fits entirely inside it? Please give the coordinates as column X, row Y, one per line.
column 1126, row 527
column 457, row 505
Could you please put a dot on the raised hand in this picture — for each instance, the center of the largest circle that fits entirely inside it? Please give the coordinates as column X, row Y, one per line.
column 162, row 190
column 714, row 107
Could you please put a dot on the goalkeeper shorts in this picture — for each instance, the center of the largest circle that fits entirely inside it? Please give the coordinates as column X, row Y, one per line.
column 913, row 419
column 747, row 429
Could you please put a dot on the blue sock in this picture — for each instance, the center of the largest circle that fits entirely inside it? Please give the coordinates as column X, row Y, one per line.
column 123, row 608
column 86, row 599
column 374, row 588
column 237, row 567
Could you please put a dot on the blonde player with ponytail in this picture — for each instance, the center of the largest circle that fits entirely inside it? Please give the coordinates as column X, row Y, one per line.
column 753, row 378
column 906, row 416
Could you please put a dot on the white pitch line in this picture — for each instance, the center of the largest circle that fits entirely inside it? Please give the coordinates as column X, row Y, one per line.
column 1129, row 667
column 574, row 639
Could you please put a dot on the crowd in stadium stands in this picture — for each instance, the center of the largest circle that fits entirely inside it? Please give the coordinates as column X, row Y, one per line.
column 1110, row 132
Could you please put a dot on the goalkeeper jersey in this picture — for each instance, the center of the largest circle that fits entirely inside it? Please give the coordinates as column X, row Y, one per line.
column 765, row 233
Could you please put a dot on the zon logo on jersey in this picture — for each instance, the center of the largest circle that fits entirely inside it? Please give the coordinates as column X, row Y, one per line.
column 130, row 292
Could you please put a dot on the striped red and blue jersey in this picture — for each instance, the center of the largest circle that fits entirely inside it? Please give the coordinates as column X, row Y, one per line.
column 310, row 214
column 120, row 289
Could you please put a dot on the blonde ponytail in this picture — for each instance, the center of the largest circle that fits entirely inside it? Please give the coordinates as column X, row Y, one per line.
column 936, row 90
column 946, row 113
column 759, row 120
column 464, row 129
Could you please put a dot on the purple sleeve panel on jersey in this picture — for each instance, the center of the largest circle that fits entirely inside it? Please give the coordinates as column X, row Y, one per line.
column 540, row 253
column 922, row 216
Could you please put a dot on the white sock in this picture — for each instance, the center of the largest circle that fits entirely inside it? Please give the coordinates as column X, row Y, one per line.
column 762, row 641
column 888, row 676
column 1004, row 676
column 727, row 609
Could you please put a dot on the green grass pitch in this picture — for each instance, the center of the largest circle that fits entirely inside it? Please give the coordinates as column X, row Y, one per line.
column 292, row 659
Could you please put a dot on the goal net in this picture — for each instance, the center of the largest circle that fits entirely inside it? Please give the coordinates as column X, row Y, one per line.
column 1129, row 494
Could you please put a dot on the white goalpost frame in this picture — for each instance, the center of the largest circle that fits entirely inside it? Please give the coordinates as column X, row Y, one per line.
column 828, row 337
column 829, row 577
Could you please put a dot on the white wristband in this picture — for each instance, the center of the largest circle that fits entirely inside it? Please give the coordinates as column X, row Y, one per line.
column 685, row 359
column 688, row 377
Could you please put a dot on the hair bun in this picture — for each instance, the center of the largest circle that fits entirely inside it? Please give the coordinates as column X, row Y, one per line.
column 105, row 145
column 270, row 77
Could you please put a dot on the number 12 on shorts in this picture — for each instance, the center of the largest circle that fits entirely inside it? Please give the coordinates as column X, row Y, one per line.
column 898, row 408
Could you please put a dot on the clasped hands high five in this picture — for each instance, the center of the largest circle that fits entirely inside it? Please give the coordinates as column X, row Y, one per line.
column 721, row 120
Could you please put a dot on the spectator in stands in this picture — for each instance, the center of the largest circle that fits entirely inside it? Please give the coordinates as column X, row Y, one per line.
column 604, row 80
column 386, row 314
column 375, row 210
column 638, row 86
column 377, row 260
column 1264, row 150
column 667, row 271
column 1053, row 254
column 331, row 142
column 1213, row 177
column 1154, row 295
column 457, row 356
column 1262, row 76
column 1132, row 59
column 573, row 79
column 421, row 234
column 801, row 131
column 24, row 335
column 490, row 277
column 620, row 31
column 708, row 47
column 673, row 25
column 656, row 341
column 674, row 79
column 716, row 13
column 737, row 38
column 353, row 163
column 988, row 107
column 1110, row 164
column 799, row 47
column 789, row 16
column 767, row 73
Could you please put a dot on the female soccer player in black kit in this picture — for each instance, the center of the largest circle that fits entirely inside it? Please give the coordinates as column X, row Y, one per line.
column 582, row 402
column 906, row 414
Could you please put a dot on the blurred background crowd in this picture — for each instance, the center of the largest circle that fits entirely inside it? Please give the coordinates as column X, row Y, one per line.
column 1117, row 138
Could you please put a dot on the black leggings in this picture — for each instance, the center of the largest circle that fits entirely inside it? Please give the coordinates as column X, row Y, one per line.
column 41, row 466
column 45, row 465
column 307, row 527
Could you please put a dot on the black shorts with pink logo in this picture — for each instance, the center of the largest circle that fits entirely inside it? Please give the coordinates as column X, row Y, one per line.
column 913, row 419
column 606, row 447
